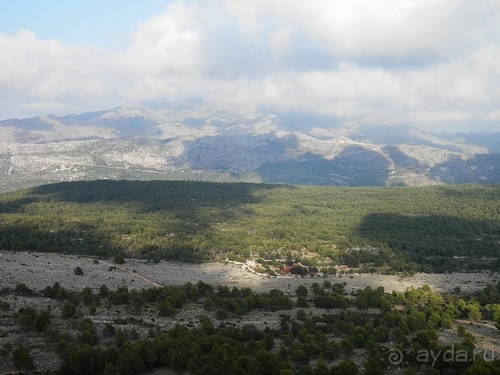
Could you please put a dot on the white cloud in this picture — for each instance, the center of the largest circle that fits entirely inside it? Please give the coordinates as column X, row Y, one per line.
column 168, row 44
column 392, row 61
column 387, row 29
column 494, row 115
column 433, row 117
column 47, row 68
column 49, row 107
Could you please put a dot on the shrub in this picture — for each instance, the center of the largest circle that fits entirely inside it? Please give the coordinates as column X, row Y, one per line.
column 119, row 259
column 22, row 289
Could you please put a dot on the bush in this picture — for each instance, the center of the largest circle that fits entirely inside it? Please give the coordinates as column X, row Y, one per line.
column 22, row 289
column 301, row 315
column 119, row 259
column 79, row 271
column 69, row 310
column 302, row 302
column 221, row 314
column 165, row 308
column 4, row 306
column 22, row 359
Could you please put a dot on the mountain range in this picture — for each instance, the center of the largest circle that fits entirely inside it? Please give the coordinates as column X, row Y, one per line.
column 158, row 140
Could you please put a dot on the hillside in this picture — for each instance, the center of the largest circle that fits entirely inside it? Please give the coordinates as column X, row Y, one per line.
column 436, row 228
column 160, row 141
column 343, row 324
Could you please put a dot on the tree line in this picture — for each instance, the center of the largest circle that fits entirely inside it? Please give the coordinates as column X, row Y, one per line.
column 436, row 228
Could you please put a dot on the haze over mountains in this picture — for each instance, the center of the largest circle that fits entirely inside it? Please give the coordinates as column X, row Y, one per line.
column 162, row 141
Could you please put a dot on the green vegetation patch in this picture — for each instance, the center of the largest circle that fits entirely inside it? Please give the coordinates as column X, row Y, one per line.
column 407, row 228
column 416, row 331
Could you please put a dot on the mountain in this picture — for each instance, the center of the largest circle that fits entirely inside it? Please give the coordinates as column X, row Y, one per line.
column 489, row 140
column 201, row 142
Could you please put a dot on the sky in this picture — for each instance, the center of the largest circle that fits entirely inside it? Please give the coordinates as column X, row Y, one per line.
column 434, row 64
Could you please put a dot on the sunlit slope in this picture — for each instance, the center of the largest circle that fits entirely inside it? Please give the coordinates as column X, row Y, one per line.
column 440, row 227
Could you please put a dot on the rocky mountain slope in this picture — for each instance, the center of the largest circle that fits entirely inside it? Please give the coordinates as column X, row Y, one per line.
column 160, row 141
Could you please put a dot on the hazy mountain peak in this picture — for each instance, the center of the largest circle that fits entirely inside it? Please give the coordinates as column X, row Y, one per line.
column 138, row 141
column 132, row 110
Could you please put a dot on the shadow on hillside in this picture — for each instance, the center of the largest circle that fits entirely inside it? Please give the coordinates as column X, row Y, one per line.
column 401, row 160
column 481, row 169
column 424, row 238
column 268, row 156
column 234, row 150
column 470, row 192
column 147, row 218
column 354, row 166
column 15, row 205
column 154, row 195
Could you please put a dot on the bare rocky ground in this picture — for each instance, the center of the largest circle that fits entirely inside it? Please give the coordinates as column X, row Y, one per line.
column 487, row 337
column 38, row 270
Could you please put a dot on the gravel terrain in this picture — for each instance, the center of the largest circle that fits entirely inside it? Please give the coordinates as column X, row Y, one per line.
column 37, row 270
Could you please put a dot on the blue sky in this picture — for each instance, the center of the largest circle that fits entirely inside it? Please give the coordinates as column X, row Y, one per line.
column 106, row 23
column 429, row 63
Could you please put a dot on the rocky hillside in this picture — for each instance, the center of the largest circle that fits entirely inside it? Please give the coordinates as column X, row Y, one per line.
column 161, row 141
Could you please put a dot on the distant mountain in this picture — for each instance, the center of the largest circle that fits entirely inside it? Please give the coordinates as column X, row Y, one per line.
column 491, row 141
column 162, row 141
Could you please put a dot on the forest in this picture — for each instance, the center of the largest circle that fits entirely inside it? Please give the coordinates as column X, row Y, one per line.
column 322, row 330
column 390, row 229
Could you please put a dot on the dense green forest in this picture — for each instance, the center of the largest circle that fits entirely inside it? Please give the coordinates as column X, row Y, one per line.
column 370, row 333
column 438, row 228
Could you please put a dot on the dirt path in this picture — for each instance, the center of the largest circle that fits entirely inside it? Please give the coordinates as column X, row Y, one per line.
column 135, row 274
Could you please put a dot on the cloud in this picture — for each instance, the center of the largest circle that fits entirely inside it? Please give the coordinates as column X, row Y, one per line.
column 423, row 62
column 47, row 68
column 386, row 30
column 50, row 107
column 433, row 117
column 168, row 44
